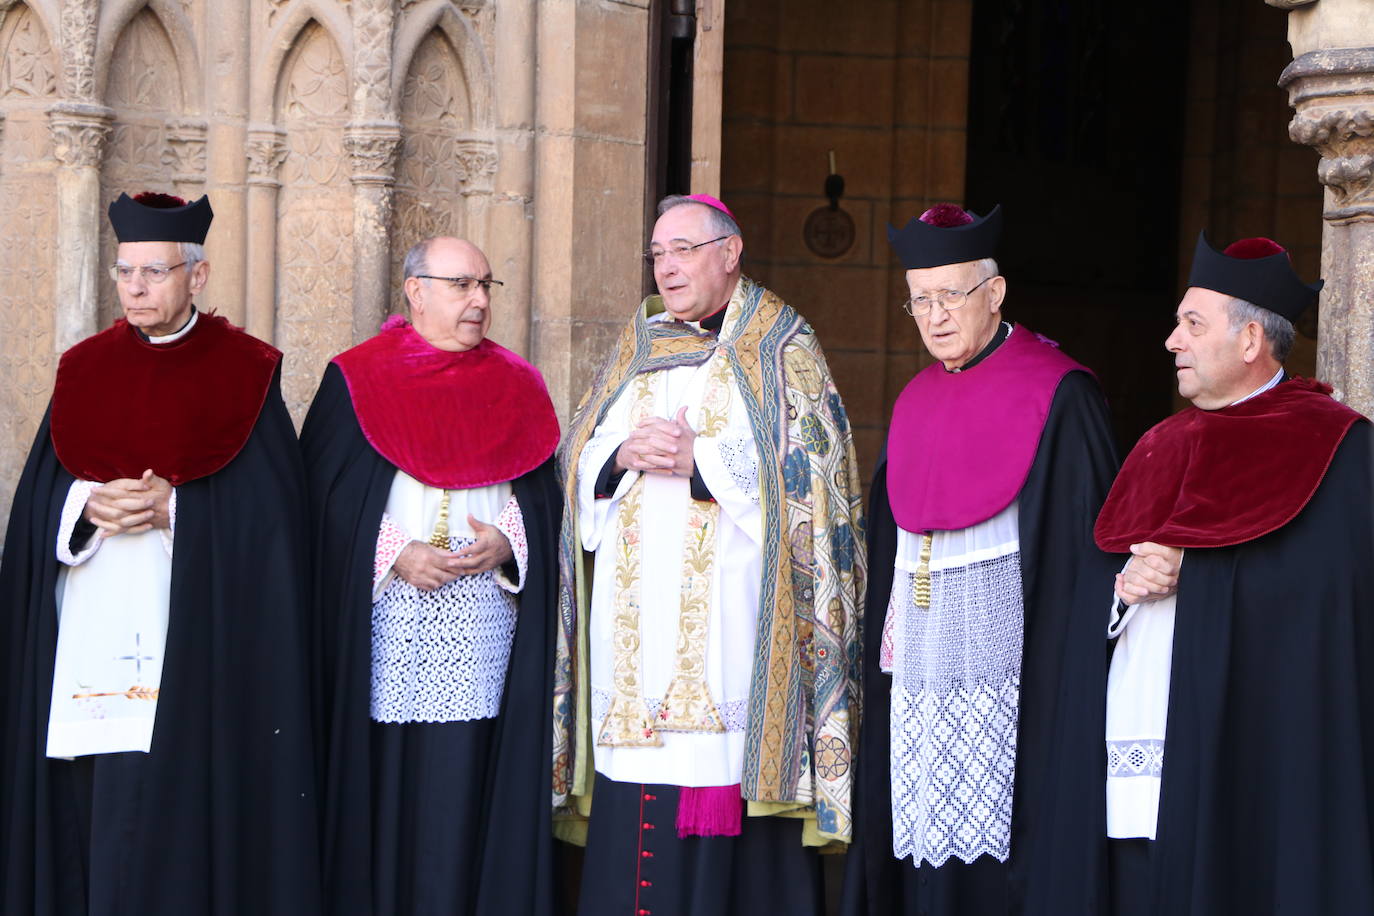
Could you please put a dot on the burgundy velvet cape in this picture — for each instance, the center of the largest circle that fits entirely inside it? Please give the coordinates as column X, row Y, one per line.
column 452, row 420
column 962, row 443
column 219, row 817
column 116, row 397
column 511, row 843
column 1206, row 478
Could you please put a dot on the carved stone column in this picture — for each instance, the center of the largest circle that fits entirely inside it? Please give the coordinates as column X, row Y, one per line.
column 372, row 139
column 80, row 126
column 78, row 49
column 1332, row 92
column 79, row 132
column 372, row 147
column 266, row 150
column 512, row 203
column 228, row 36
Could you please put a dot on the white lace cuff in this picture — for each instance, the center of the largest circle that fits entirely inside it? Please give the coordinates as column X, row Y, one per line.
column 77, row 494
column 391, row 540
column 741, row 459
column 512, row 524
column 169, row 533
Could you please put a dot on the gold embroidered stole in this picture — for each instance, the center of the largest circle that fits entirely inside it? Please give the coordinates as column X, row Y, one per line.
column 803, row 702
column 687, row 705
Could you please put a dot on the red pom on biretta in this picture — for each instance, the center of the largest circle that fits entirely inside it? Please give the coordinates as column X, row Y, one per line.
column 159, row 200
column 946, row 216
column 1250, row 249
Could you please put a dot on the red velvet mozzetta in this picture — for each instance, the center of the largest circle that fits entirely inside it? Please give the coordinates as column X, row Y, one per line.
column 453, row 420
column 1216, row 478
column 184, row 409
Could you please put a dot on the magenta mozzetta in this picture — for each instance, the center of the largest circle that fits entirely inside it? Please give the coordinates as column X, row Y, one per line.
column 939, row 482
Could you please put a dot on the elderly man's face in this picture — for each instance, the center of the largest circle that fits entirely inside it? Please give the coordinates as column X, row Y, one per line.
column 443, row 313
column 1210, row 358
column 158, row 308
column 954, row 336
column 700, row 282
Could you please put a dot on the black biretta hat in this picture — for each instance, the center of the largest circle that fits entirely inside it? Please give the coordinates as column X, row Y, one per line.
column 946, row 234
column 1257, row 270
column 153, row 217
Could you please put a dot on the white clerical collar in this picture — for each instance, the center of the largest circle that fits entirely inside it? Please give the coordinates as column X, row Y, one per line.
column 1278, row 377
column 177, row 335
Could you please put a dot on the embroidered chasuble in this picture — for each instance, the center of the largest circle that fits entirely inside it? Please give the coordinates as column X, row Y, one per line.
column 662, row 675
column 670, row 666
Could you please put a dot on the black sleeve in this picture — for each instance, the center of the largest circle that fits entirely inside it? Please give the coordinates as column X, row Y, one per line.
column 608, row 479
column 700, row 492
column 82, row 532
column 1059, row 824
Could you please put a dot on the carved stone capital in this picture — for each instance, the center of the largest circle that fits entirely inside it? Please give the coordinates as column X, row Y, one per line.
column 1332, row 93
column 79, row 133
column 266, row 150
column 475, row 163
column 372, row 148
column 185, row 151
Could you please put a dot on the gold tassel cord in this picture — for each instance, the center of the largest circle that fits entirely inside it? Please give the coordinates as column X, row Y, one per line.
column 439, row 538
column 922, row 584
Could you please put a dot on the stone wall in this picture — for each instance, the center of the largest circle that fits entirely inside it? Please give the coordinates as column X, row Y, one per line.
column 885, row 86
column 331, row 135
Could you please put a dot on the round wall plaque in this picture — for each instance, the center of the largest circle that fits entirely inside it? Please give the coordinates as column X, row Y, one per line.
column 829, row 232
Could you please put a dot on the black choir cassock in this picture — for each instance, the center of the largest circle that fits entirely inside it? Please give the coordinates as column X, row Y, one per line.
column 1267, row 793
column 451, row 817
column 1056, row 864
column 220, row 816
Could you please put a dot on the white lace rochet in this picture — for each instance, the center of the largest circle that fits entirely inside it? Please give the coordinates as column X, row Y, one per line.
column 956, row 670
column 441, row 656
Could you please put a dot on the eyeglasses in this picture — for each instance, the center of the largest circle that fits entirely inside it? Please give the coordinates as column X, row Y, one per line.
column 681, row 252
column 151, row 273
column 949, row 299
column 465, row 284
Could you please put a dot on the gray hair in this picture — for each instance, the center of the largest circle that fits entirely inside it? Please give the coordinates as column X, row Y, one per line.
column 191, row 253
column 417, row 260
column 717, row 221
column 1277, row 329
column 987, row 267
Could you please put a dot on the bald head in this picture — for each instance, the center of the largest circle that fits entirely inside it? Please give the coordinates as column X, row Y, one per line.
column 447, row 284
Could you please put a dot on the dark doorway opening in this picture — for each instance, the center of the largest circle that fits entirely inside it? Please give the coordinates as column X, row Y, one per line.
column 1075, row 127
